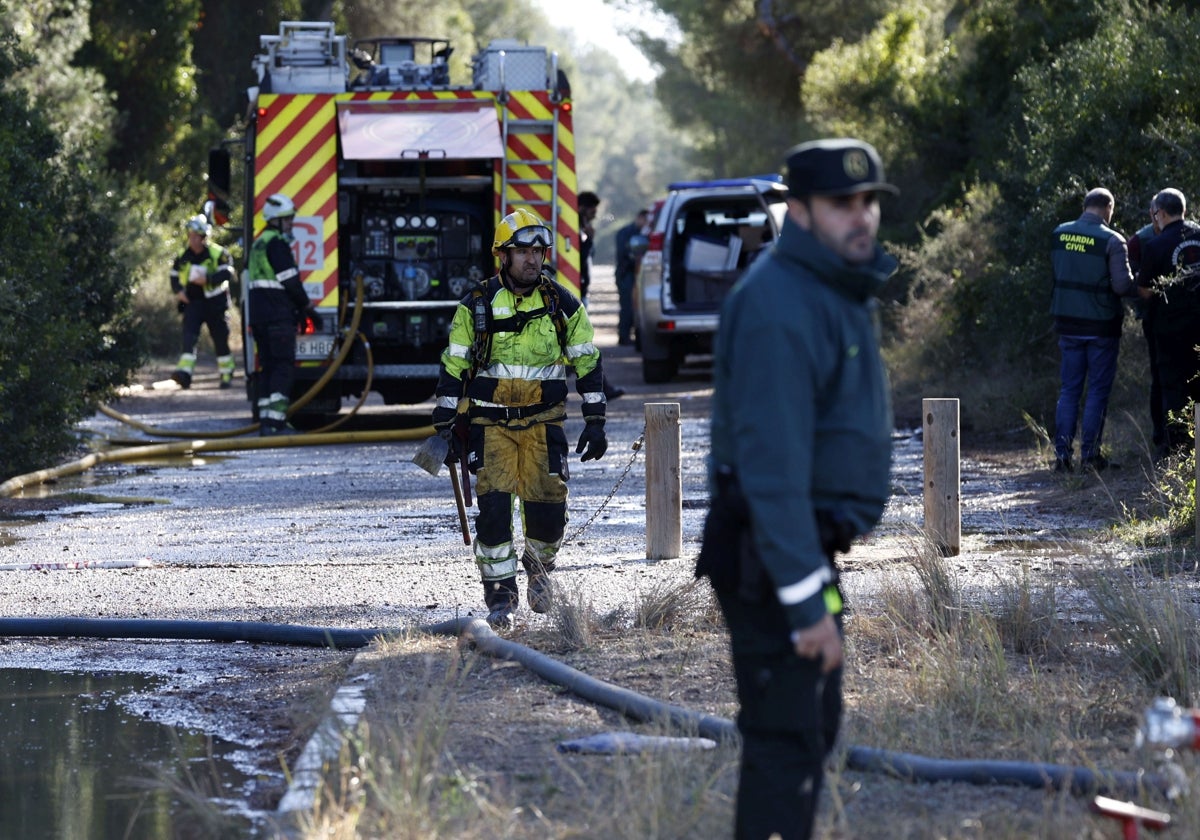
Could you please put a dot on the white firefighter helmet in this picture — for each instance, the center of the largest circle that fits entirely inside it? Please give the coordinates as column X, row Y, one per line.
column 198, row 224
column 278, row 206
column 521, row 229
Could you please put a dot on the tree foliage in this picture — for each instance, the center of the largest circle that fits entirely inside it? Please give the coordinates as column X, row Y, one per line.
column 732, row 82
column 66, row 335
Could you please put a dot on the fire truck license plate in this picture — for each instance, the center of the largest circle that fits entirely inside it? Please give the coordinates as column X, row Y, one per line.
column 314, row 348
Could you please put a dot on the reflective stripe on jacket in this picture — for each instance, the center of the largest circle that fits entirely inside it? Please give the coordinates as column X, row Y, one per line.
column 528, row 364
column 275, row 292
column 217, row 263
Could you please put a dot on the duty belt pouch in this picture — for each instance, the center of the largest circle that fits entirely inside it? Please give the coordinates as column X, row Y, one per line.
column 723, row 529
column 727, row 554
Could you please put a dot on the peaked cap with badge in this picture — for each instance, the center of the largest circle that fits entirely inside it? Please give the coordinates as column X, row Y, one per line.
column 838, row 166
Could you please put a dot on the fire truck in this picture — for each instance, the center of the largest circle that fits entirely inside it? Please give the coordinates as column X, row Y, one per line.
column 399, row 178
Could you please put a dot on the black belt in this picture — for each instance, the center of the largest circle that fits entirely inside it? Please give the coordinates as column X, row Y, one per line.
column 506, row 412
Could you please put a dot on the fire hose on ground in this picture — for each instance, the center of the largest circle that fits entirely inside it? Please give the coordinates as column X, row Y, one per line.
column 308, row 396
column 231, row 440
column 630, row 704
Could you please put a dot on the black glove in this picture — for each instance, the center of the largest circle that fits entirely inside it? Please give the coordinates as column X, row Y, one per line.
column 315, row 317
column 454, row 447
column 444, row 421
column 180, row 307
column 443, row 418
column 593, row 439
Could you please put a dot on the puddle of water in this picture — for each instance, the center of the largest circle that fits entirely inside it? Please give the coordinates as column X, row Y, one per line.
column 73, row 763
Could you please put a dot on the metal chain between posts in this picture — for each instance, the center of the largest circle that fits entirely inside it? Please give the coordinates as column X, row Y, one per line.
column 637, row 447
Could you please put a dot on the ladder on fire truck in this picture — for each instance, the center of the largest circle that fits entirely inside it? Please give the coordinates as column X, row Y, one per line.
column 534, row 133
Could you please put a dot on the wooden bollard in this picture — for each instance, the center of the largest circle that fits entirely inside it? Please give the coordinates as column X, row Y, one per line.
column 943, row 511
column 664, row 482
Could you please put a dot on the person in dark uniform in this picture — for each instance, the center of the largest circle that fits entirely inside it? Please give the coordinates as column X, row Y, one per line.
column 800, row 461
column 1091, row 275
column 627, row 265
column 277, row 302
column 589, row 205
column 200, row 278
column 1143, row 308
column 1169, row 276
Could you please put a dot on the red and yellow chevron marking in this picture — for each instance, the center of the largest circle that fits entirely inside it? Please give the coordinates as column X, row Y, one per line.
column 536, row 105
column 295, row 153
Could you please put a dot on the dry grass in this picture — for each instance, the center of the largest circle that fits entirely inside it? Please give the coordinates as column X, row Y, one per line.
column 1039, row 666
column 1154, row 626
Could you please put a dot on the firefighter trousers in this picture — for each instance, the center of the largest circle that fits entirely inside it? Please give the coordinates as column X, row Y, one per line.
column 275, row 342
column 212, row 312
column 518, row 465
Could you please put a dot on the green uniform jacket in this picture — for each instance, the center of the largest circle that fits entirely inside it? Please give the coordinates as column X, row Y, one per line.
column 215, row 258
column 801, row 407
column 1084, row 303
column 276, row 293
column 528, row 366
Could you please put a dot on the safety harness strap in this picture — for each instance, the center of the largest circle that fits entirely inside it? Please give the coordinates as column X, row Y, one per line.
column 486, row 325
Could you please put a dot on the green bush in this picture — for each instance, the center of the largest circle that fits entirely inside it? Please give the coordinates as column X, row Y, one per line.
column 67, row 338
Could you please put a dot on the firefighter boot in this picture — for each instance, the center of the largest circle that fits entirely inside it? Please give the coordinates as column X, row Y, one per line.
column 183, row 370
column 501, row 598
column 539, row 587
column 272, row 416
column 225, row 367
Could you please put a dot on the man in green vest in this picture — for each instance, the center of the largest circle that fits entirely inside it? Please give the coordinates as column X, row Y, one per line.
column 200, row 279
column 1091, row 275
column 277, row 301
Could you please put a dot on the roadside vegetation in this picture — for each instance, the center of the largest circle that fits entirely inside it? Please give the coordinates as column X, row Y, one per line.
column 1041, row 669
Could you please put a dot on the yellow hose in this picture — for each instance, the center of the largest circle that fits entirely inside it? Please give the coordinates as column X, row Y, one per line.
column 213, row 441
column 304, row 400
column 159, row 450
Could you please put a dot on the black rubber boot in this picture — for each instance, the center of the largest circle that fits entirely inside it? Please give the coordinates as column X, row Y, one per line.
column 501, row 598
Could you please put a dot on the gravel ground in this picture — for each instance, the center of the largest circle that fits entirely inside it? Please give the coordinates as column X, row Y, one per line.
column 357, row 536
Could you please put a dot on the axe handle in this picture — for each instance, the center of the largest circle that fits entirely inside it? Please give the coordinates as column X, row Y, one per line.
column 462, row 508
column 466, row 479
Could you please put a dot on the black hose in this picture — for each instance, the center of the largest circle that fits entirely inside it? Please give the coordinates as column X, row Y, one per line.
column 1078, row 780
column 628, row 703
column 213, row 631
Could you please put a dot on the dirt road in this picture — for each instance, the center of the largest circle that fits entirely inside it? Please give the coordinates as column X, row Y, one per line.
column 357, row 536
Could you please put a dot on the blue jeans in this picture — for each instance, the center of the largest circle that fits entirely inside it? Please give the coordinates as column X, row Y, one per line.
column 1084, row 360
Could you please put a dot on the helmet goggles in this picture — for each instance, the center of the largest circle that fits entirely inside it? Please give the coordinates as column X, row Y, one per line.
column 532, row 236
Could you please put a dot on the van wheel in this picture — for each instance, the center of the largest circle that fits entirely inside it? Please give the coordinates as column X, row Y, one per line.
column 658, row 371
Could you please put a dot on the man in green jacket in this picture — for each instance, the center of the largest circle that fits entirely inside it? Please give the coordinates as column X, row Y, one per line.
column 502, row 401
column 200, row 279
column 799, row 467
column 1091, row 275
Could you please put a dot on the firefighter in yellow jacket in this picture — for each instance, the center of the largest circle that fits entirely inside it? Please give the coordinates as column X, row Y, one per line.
column 501, row 400
column 200, row 278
